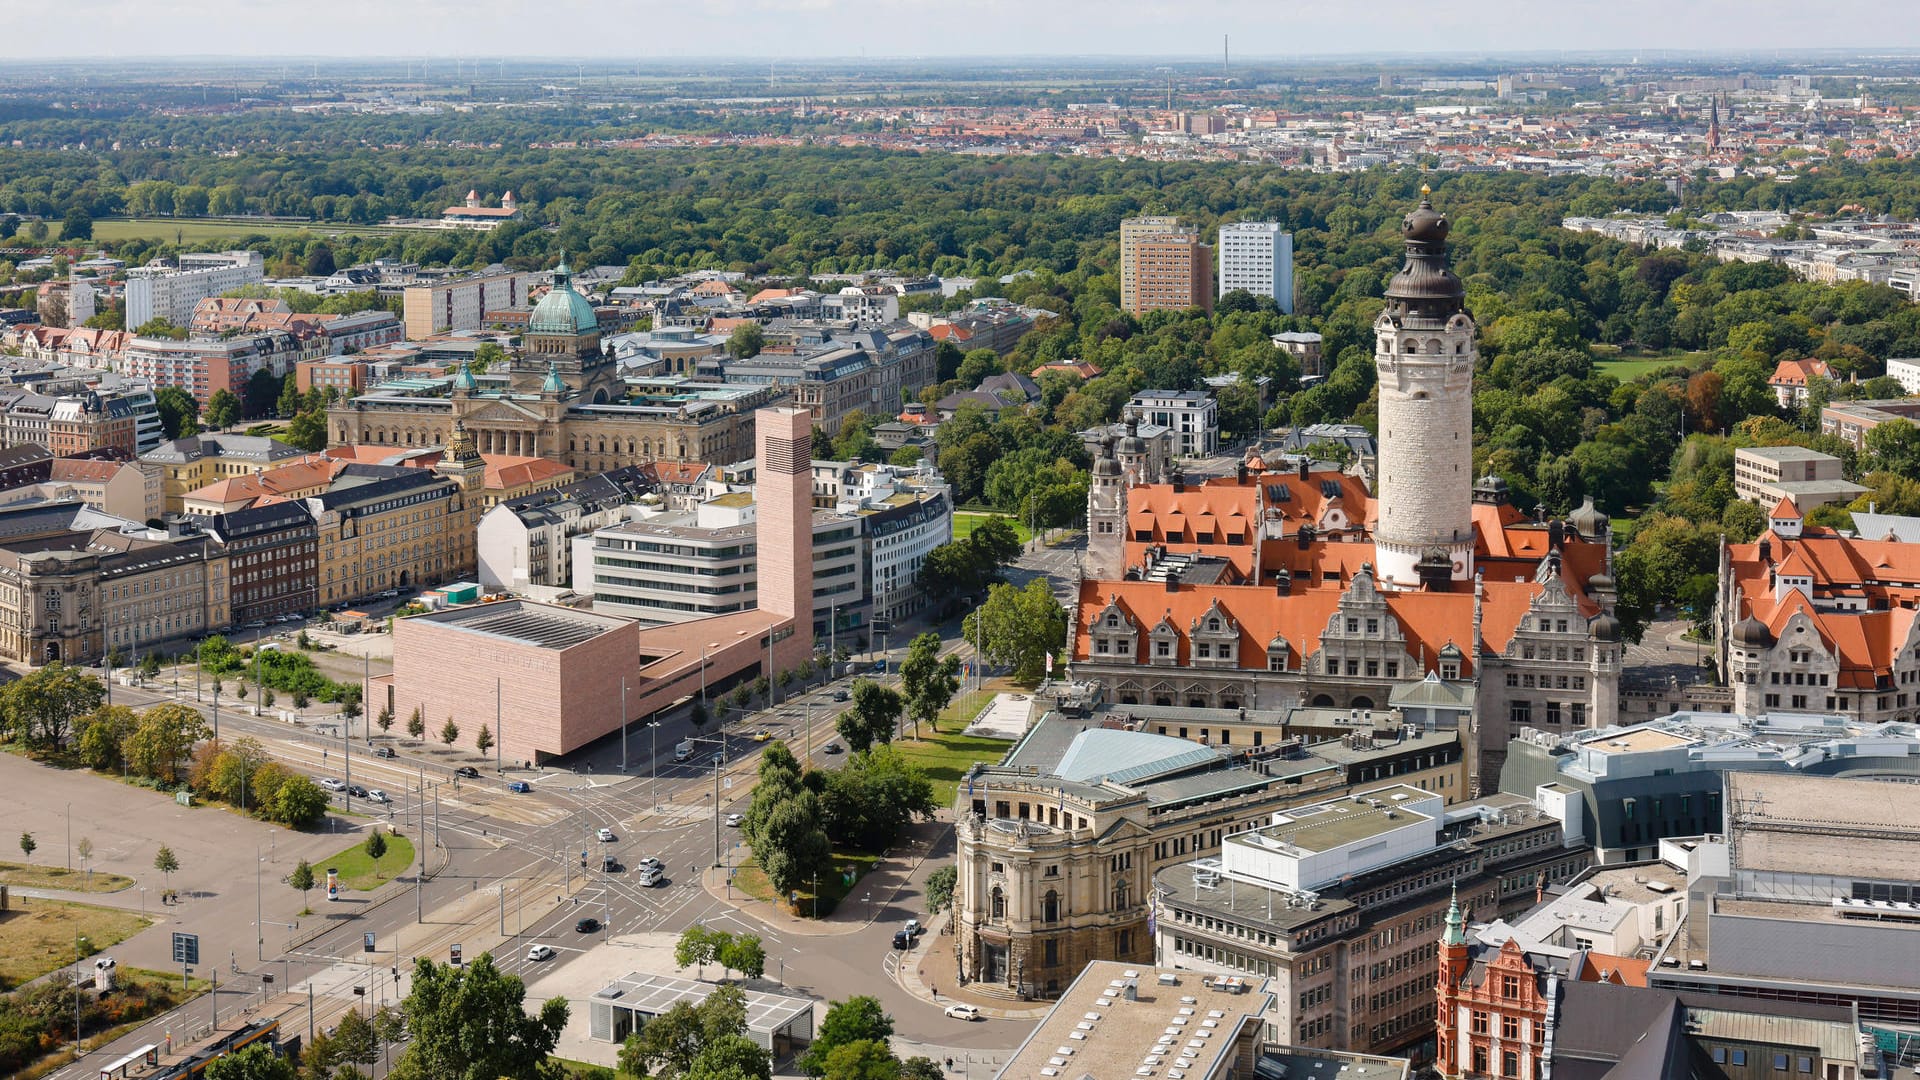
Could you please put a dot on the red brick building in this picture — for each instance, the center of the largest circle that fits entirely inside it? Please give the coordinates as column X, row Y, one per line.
column 1492, row 1015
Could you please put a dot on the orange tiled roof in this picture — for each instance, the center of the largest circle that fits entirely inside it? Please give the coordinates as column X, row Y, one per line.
column 1798, row 372
column 505, row 472
column 1880, row 579
column 82, row 471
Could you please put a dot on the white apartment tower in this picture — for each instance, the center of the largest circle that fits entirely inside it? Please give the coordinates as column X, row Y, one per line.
column 167, row 292
column 1258, row 257
column 1425, row 357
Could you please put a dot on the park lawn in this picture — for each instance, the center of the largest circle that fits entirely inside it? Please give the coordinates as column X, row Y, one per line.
column 965, row 522
column 749, row 879
column 1629, row 366
column 200, row 230
column 59, row 877
column 582, row 1070
column 37, row 936
column 358, row 871
column 946, row 755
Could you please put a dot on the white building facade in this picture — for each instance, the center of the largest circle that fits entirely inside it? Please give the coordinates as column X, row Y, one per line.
column 1192, row 415
column 1257, row 256
column 170, row 293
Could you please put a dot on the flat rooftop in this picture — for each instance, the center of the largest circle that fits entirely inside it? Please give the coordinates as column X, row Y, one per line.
column 1185, row 1029
column 1307, row 1063
column 1783, row 453
column 1638, row 740
column 526, row 623
column 655, row 994
column 1325, row 826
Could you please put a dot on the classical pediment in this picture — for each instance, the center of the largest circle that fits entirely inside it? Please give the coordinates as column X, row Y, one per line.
column 501, row 412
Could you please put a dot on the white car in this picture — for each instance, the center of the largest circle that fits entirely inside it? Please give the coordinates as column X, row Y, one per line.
column 377, row 795
column 651, row 863
column 333, row 783
column 650, row 876
column 963, row 1011
column 607, row 837
column 540, row 952
column 734, row 820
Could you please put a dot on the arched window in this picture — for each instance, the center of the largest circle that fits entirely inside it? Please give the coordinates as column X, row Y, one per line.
column 1050, row 907
column 1410, row 346
column 998, row 909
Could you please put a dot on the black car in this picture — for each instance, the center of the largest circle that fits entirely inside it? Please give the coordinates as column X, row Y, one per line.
column 586, row 926
column 609, row 865
column 840, row 695
column 356, row 791
column 902, row 940
column 384, row 751
column 833, row 748
column 467, row 771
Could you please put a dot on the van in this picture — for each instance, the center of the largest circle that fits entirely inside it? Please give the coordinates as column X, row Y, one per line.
column 650, row 876
column 683, row 751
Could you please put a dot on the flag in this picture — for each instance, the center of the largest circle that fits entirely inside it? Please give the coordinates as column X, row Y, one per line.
column 1049, row 663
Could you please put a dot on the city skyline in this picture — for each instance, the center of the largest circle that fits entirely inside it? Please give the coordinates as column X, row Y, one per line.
column 820, row 29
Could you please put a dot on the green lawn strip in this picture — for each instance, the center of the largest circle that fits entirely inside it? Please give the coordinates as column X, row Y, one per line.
column 358, row 871
column 583, row 1070
column 965, row 522
column 28, row 876
column 37, row 936
column 749, row 879
column 946, row 755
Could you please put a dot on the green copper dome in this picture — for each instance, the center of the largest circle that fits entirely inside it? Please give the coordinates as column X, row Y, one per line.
column 464, row 379
column 563, row 311
column 553, row 385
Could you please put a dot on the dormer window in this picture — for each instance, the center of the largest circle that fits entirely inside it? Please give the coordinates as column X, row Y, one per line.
column 1213, row 625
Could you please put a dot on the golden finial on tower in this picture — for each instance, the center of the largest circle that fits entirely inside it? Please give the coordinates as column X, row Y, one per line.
column 1425, row 190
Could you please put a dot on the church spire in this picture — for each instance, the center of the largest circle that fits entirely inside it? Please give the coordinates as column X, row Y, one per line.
column 1456, row 933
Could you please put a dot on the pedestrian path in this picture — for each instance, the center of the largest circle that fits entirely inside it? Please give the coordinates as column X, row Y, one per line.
column 873, row 896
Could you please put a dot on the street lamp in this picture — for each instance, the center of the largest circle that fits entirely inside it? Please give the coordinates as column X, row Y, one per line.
column 623, row 723
column 654, row 728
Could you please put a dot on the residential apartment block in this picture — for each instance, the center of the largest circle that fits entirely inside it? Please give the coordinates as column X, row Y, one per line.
column 461, row 303
column 1131, row 231
column 1808, row 478
column 171, row 292
column 1170, row 271
column 1192, row 415
column 1257, row 256
column 272, row 558
column 194, row 462
column 1851, row 420
column 205, row 366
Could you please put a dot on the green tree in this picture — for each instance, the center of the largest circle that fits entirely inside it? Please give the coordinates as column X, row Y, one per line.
column 376, row 845
column 928, row 679
column 165, row 861
column 302, row 880
column 163, row 740
column 744, row 953
column 940, row 885
column 385, row 719
column 861, row 1059
column 688, row 1037
column 256, row 1062
column 699, row 946
column 179, row 412
column 857, row 1019
column 874, row 712
column 730, row 1057
column 307, row 430
column 299, row 801
column 263, row 391
column 354, row 1039
column 77, row 225
column 449, row 732
column 416, row 724
column 792, row 847
column 288, row 402
column 746, row 341
column 870, row 801
column 27, row 845
column 40, row 707
column 483, row 741
column 100, row 734
column 487, row 355
column 469, row 1023
column 1019, row 627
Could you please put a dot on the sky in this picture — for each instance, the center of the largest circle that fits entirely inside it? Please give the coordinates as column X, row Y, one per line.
column 640, row 29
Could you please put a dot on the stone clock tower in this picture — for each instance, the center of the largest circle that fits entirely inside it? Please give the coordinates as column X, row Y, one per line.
column 1425, row 355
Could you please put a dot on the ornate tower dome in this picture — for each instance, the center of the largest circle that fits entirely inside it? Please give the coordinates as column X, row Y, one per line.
column 1424, row 354
column 562, row 310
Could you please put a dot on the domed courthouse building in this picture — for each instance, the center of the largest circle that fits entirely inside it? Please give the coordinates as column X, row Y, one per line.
column 1272, row 590
column 563, row 398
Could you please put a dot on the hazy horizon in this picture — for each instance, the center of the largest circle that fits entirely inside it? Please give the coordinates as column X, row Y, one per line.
column 819, row 30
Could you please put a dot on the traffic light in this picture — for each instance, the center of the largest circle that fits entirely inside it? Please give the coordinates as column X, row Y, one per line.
column 267, row 979
column 396, row 974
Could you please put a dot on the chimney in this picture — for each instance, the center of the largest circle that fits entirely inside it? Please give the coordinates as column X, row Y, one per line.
column 1556, row 535
column 1766, row 550
column 1304, row 466
column 1173, row 583
column 1240, row 474
column 1304, row 536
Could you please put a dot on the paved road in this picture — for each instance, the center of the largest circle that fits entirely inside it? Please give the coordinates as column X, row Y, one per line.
column 526, row 852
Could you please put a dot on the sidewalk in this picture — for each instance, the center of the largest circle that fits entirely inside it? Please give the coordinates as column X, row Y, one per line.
column 933, row 977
